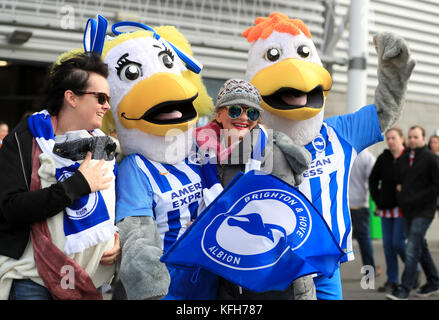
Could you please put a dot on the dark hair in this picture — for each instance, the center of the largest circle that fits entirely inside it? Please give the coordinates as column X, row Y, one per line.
column 72, row 73
column 431, row 138
column 418, row 127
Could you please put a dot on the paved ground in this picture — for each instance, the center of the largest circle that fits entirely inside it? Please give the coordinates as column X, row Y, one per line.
column 352, row 276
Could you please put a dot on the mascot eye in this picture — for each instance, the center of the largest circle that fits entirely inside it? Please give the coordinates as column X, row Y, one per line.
column 168, row 62
column 272, row 54
column 304, row 51
column 131, row 72
column 167, row 58
column 128, row 70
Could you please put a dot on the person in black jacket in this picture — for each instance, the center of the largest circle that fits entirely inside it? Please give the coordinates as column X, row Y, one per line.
column 4, row 129
column 73, row 108
column 382, row 186
column 417, row 178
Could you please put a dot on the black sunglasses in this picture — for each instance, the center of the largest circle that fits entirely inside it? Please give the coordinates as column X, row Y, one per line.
column 234, row 112
column 101, row 96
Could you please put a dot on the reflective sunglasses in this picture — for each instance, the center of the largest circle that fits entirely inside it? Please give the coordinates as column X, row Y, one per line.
column 101, row 96
column 235, row 111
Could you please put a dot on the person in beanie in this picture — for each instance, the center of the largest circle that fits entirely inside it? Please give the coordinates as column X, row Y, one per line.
column 238, row 108
column 233, row 134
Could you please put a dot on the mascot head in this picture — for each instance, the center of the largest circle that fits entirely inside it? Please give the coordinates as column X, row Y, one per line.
column 156, row 91
column 284, row 65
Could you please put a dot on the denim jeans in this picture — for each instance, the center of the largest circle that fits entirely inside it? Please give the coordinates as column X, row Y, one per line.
column 26, row 289
column 394, row 245
column 417, row 251
column 361, row 231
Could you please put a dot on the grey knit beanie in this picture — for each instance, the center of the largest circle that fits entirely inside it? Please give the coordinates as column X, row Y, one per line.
column 239, row 92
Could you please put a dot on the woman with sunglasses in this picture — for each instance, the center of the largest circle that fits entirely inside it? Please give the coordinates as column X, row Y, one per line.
column 56, row 171
column 233, row 136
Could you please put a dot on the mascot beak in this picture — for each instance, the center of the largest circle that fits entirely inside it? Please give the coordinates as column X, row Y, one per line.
column 158, row 104
column 293, row 88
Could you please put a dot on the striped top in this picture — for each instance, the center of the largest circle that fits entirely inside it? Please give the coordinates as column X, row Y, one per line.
column 333, row 152
column 169, row 193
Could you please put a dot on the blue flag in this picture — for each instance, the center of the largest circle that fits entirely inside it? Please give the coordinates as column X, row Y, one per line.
column 260, row 233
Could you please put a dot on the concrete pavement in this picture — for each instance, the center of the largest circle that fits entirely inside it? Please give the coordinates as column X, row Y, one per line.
column 351, row 271
column 352, row 277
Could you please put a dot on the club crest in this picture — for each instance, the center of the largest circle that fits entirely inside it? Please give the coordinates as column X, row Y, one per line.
column 258, row 230
column 319, row 143
column 82, row 207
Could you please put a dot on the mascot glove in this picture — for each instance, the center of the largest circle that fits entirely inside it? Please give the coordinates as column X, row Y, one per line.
column 395, row 66
column 142, row 274
column 298, row 157
column 304, row 288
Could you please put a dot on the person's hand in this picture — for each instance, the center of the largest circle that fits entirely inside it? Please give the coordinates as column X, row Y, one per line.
column 398, row 188
column 110, row 257
column 95, row 176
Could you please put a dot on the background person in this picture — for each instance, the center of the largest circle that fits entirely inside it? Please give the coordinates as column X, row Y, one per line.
column 433, row 144
column 382, row 186
column 4, row 130
column 359, row 206
column 417, row 191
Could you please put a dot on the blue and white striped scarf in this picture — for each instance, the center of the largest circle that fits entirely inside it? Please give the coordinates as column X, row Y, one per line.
column 86, row 221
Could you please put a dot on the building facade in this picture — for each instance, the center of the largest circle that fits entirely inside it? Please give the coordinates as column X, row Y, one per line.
column 34, row 32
